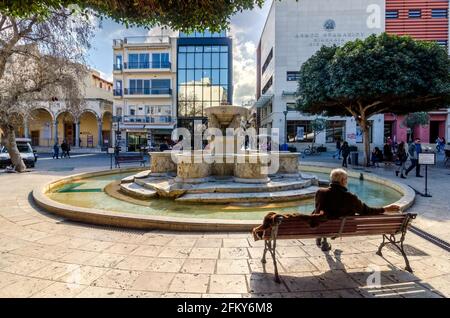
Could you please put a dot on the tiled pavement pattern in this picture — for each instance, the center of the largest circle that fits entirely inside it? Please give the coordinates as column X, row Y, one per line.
column 44, row 256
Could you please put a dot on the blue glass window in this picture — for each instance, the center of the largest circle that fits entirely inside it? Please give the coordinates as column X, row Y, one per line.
column 206, row 60
column 144, row 60
column 223, row 60
column 182, row 60
column 391, row 14
column 215, row 77
column 439, row 13
column 215, row 58
column 156, row 60
column 133, row 60
column 190, row 62
column 224, row 77
column 414, row 13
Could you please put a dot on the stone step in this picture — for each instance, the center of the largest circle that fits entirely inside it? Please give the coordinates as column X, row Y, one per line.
column 142, row 174
column 136, row 191
column 222, row 198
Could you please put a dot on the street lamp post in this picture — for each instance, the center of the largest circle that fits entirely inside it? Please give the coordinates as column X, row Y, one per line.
column 285, row 127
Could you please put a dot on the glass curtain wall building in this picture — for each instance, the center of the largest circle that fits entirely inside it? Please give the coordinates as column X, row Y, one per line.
column 204, row 73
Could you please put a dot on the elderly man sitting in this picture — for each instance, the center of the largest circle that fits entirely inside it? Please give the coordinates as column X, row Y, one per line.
column 335, row 202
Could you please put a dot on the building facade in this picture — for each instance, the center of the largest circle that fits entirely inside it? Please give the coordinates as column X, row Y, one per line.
column 144, row 72
column 204, row 75
column 293, row 32
column 425, row 20
column 89, row 127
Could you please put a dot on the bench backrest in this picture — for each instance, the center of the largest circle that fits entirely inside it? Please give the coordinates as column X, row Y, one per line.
column 129, row 157
column 290, row 228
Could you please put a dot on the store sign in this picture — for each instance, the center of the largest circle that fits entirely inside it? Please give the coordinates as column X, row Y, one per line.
column 330, row 38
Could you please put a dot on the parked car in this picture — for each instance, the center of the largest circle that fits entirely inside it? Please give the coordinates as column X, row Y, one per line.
column 27, row 153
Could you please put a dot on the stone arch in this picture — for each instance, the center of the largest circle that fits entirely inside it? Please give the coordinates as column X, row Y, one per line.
column 66, row 127
column 40, row 127
column 89, row 123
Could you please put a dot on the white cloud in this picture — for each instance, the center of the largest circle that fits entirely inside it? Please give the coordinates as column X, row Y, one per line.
column 244, row 66
column 162, row 31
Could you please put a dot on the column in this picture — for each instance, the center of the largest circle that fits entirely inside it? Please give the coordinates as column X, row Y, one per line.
column 77, row 134
column 55, row 131
column 100, row 135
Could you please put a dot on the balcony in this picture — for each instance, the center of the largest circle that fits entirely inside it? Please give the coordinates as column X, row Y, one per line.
column 154, row 41
column 117, row 67
column 147, row 65
column 148, row 119
column 117, row 92
column 148, row 91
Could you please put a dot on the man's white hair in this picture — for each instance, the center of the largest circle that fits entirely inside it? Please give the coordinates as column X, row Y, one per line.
column 338, row 176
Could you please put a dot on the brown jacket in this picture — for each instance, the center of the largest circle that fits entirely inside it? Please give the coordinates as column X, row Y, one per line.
column 337, row 202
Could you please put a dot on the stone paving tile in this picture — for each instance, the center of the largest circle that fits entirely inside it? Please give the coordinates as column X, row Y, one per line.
column 300, row 282
column 119, row 248
column 105, row 260
column 26, row 266
column 209, row 242
column 83, row 275
column 99, row 292
column 257, row 267
column 53, row 239
column 228, row 284
column 221, row 296
column 233, row 253
column 336, row 279
column 168, row 265
column 257, row 252
column 175, row 252
column 74, row 242
column 149, row 281
column 238, row 242
column 232, row 266
column 140, row 294
column 264, row 283
column 116, row 278
column 54, row 270
column 23, row 288
column 96, row 246
column 296, row 265
column 60, row 290
column 158, row 240
column 290, row 251
column 263, row 295
column 440, row 284
column 182, row 242
column 7, row 259
column 189, row 283
column 181, row 295
column 147, row 250
column 78, row 257
column 8, row 279
column 135, row 263
column 326, row 262
column 199, row 266
column 204, row 252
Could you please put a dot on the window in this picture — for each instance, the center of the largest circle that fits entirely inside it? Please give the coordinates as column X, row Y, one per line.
column 299, row 131
column 149, row 87
column 132, row 110
column 118, row 63
column 439, row 13
column 119, row 111
column 335, row 131
column 442, row 42
column 292, row 76
column 391, row 14
column 414, row 13
column 267, row 86
column 267, row 62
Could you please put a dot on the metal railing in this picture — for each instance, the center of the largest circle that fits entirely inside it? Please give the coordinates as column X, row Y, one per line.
column 148, row 91
column 150, row 119
column 147, row 39
column 147, row 65
column 117, row 92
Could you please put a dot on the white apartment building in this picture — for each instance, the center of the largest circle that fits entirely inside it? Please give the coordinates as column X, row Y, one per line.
column 144, row 91
column 293, row 32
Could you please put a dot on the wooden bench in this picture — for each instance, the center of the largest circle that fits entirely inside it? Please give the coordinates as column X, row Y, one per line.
column 129, row 158
column 389, row 226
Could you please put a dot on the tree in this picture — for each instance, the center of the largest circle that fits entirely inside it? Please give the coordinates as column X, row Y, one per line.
column 318, row 125
column 178, row 15
column 383, row 73
column 39, row 59
column 416, row 119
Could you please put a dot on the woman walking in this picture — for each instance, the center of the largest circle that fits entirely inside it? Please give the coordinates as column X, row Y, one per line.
column 402, row 159
column 345, row 151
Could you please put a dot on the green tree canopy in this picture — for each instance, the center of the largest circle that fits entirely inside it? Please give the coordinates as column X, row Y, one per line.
column 177, row 14
column 383, row 73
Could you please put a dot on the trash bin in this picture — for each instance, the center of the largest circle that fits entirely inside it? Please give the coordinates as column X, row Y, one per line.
column 284, row 147
column 354, row 158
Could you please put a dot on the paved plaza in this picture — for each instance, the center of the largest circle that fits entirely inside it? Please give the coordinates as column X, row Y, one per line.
column 47, row 256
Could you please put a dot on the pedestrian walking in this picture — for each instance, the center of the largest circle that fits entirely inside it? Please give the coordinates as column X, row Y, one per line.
column 64, row 149
column 345, row 151
column 338, row 149
column 402, row 158
column 413, row 151
column 56, row 151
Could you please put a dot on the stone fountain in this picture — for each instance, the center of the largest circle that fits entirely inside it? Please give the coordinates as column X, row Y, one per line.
column 225, row 171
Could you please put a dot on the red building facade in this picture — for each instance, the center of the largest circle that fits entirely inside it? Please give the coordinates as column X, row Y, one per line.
column 425, row 20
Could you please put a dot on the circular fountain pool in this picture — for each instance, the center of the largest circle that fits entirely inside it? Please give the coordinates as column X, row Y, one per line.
column 96, row 198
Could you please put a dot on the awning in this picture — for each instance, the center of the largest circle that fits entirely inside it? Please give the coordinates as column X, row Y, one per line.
column 263, row 100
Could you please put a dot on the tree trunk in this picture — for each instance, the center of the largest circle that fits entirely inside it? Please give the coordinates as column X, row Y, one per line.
column 13, row 151
column 366, row 140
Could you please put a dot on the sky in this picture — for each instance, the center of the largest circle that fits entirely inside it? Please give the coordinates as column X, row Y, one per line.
column 245, row 30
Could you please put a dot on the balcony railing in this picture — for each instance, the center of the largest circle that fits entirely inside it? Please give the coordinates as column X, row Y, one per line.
column 117, row 67
column 117, row 92
column 147, row 65
column 149, row 119
column 147, row 39
column 148, row 91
